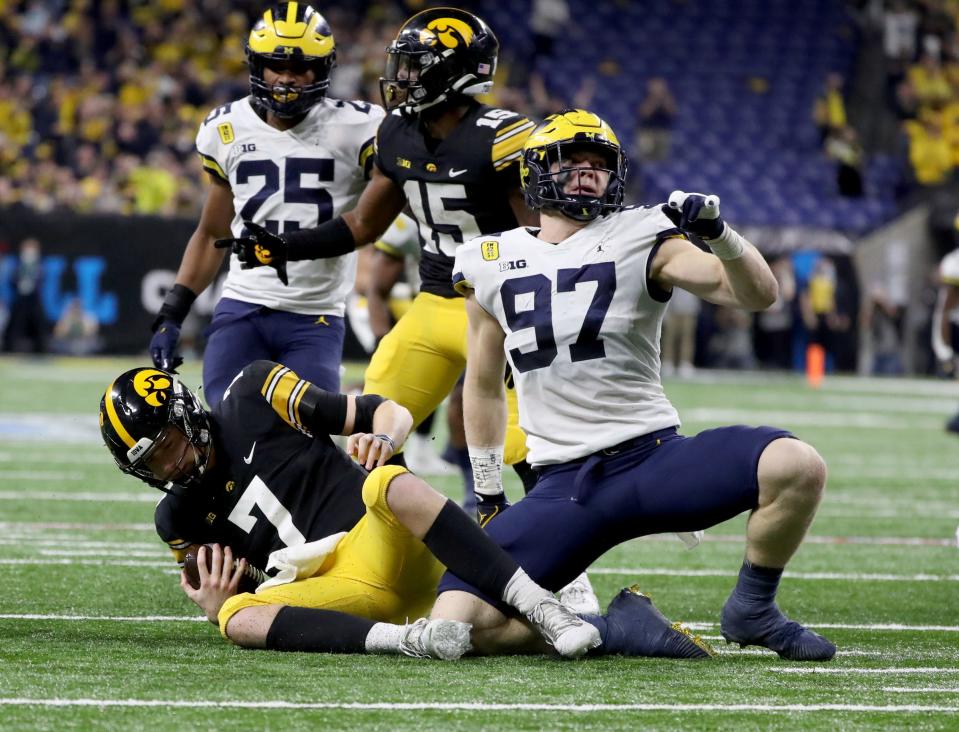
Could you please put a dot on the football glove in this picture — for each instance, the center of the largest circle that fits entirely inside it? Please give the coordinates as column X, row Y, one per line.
column 489, row 507
column 163, row 346
column 259, row 248
column 696, row 213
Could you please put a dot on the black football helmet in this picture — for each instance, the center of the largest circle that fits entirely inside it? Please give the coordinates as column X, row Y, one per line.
column 437, row 54
column 293, row 33
column 552, row 142
column 136, row 410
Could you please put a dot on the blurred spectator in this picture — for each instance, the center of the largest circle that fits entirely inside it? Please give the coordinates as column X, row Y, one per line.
column 819, row 304
column 26, row 329
column 930, row 152
column 731, row 347
column 76, row 332
column 775, row 324
column 548, row 19
column 843, row 146
column 884, row 310
column 829, row 110
column 679, row 333
column 657, row 112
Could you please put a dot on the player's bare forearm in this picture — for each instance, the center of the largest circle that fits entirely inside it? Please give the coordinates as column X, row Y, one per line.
column 484, row 393
column 750, row 280
column 387, row 271
column 201, row 260
column 393, row 420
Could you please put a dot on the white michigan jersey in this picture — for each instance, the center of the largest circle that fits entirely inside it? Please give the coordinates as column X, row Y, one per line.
column 582, row 329
column 287, row 180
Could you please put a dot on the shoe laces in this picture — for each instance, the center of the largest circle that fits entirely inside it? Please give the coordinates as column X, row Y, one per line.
column 412, row 643
column 552, row 618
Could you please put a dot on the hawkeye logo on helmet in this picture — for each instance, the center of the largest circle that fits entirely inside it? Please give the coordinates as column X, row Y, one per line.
column 153, row 386
column 448, row 31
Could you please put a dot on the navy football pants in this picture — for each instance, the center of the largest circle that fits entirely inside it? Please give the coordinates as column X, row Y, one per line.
column 242, row 332
column 667, row 482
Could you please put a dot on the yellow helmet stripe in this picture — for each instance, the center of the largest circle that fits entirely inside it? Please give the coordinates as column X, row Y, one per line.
column 115, row 418
column 291, row 13
column 510, row 143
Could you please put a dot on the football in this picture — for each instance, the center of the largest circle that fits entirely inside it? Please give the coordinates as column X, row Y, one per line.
column 251, row 579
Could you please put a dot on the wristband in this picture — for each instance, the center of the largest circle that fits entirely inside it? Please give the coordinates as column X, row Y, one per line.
column 387, row 439
column 728, row 245
column 176, row 306
column 487, row 464
column 330, row 239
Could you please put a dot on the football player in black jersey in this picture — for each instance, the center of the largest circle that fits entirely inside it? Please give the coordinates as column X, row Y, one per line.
column 454, row 161
column 357, row 552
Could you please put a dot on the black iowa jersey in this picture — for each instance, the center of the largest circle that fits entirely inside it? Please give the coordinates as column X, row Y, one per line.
column 273, row 485
column 457, row 188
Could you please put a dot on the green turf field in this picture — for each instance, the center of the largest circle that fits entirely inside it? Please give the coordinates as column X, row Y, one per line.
column 95, row 632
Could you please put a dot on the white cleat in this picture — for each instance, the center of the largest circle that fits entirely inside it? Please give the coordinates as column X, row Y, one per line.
column 570, row 635
column 579, row 596
column 446, row 640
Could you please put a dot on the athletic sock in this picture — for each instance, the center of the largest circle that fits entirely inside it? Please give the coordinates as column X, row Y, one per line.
column 469, row 553
column 384, row 638
column 320, row 631
column 757, row 584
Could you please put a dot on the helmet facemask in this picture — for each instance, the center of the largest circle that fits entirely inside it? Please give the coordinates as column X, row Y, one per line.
column 147, row 427
column 286, row 101
column 547, row 172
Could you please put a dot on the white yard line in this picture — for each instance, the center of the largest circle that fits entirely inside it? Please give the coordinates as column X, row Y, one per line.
column 84, row 496
column 477, row 706
column 106, row 618
column 921, row 690
column 844, row 576
column 844, row 671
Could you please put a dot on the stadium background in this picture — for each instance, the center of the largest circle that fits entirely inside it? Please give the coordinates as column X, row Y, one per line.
column 100, row 101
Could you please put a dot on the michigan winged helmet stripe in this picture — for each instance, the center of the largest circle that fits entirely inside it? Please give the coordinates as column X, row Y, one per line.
column 284, row 390
column 301, row 32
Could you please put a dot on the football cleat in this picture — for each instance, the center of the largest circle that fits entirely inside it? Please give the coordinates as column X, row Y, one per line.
column 635, row 627
column 579, row 596
column 446, row 640
column 569, row 634
column 767, row 626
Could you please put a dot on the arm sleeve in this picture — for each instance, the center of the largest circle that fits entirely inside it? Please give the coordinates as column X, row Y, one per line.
column 301, row 404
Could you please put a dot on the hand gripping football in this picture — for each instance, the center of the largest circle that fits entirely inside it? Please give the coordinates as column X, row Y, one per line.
column 252, row 577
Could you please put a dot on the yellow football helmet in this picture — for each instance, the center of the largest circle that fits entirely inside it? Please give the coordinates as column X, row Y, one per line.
column 292, row 33
column 551, row 144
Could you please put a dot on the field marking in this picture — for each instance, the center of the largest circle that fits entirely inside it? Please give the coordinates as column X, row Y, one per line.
column 892, row 627
column 107, row 618
column 690, row 625
column 84, row 496
column 35, row 527
column 85, row 562
column 860, row 420
column 844, row 576
column 833, row 670
column 477, row 706
column 921, row 690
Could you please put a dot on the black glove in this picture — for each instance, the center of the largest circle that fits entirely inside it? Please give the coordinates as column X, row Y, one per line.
column 489, row 507
column 696, row 213
column 260, row 248
column 163, row 346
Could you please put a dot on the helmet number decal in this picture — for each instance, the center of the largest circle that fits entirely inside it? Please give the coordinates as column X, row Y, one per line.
column 588, row 345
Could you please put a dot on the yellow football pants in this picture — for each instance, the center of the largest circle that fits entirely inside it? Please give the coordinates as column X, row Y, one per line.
column 379, row 570
column 419, row 361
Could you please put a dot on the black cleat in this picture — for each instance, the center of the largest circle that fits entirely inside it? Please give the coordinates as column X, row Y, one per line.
column 635, row 627
column 766, row 626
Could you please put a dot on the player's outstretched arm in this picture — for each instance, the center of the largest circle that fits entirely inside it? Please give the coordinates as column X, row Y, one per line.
column 201, row 261
column 381, row 202
column 484, row 398
column 735, row 274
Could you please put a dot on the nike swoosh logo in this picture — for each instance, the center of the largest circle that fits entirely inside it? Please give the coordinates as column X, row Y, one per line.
column 454, row 172
column 249, row 458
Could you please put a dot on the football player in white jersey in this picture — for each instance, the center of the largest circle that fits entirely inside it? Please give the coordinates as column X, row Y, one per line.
column 576, row 308
column 284, row 158
column 945, row 318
